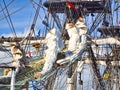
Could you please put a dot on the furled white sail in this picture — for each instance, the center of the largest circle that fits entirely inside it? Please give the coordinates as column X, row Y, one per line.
column 52, row 41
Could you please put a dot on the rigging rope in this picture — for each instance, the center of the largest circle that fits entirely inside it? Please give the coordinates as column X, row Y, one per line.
column 96, row 70
column 8, row 52
column 13, row 12
column 32, row 31
column 12, row 26
column 99, row 18
column 7, row 5
column 7, row 19
column 36, row 15
column 33, row 23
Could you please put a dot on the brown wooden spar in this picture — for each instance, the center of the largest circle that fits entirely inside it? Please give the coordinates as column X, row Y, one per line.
column 18, row 39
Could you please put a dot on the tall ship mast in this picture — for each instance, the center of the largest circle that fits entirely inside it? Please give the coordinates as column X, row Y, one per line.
column 78, row 48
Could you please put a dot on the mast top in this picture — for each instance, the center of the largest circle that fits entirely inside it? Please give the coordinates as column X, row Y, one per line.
column 75, row 8
column 60, row 6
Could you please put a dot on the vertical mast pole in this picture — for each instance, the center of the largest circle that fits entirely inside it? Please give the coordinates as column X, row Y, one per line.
column 13, row 79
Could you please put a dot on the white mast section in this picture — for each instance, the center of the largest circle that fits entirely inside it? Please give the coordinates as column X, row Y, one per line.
column 109, row 40
column 13, row 80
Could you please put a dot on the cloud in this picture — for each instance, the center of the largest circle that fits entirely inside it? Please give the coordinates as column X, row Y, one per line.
column 19, row 34
column 21, row 28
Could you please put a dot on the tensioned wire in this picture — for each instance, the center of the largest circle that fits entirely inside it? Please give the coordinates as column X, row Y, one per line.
column 15, row 10
column 10, row 20
column 7, row 5
column 99, row 18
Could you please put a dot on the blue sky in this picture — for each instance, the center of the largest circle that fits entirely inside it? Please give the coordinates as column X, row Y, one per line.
column 21, row 19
